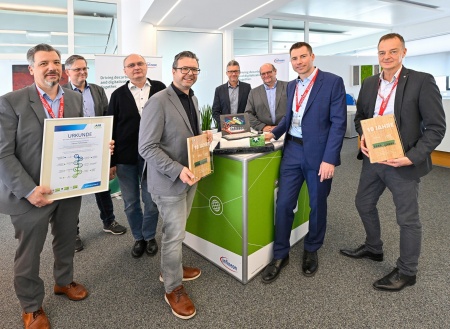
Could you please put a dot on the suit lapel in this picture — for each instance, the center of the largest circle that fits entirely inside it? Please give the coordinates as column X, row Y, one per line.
column 403, row 77
column 278, row 94
column 175, row 100
column 36, row 104
column 227, row 97
column 314, row 91
column 263, row 96
column 96, row 99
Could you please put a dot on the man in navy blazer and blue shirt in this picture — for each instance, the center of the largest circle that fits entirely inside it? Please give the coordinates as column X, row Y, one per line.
column 315, row 124
column 95, row 103
column 415, row 100
column 231, row 97
column 126, row 105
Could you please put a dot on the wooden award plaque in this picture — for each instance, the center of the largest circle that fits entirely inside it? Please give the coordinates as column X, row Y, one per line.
column 382, row 138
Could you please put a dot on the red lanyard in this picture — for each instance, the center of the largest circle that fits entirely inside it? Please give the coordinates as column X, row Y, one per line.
column 298, row 103
column 49, row 109
column 385, row 101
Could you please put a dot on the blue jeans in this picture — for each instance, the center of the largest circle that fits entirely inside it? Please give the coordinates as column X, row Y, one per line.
column 142, row 225
column 174, row 213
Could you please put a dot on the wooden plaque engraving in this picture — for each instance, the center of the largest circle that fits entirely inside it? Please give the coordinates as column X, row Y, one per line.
column 199, row 156
column 382, row 138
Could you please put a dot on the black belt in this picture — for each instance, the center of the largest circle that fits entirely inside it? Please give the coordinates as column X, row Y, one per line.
column 297, row 140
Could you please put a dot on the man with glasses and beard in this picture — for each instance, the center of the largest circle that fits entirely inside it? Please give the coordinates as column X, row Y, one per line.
column 169, row 118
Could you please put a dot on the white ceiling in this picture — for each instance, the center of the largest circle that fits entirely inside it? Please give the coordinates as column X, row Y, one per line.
column 350, row 27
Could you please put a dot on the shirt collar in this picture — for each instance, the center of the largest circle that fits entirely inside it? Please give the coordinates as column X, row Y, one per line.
column 76, row 88
column 44, row 94
column 266, row 87
column 230, row 86
column 395, row 77
column 180, row 93
column 131, row 85
column 309, row 78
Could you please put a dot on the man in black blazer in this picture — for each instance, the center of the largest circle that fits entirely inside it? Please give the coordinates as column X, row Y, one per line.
column 22, row 115
column 95, row 103
column 231, row 97
column 126, row 106
column 414, row 98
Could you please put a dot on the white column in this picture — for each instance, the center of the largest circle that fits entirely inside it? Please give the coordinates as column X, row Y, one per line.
column 306, row 32
column 134, row 36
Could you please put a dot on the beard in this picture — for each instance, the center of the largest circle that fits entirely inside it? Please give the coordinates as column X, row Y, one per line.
column 51, row 83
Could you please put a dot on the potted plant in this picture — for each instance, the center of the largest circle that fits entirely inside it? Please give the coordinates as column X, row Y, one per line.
column 206, row 117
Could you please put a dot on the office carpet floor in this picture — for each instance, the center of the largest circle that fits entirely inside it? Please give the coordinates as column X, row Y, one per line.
column 125, row 292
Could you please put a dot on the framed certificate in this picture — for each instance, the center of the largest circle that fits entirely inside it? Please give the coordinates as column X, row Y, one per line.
column 75, row 156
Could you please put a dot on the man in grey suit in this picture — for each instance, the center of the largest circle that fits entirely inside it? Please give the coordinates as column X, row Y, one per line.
column 168, row 119
column 22, row 115
column 231, row 97
column 266, row 104
column 95, row 103
column 414, row 98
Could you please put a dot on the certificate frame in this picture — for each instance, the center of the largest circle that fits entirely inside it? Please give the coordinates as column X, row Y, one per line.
column 66, row 143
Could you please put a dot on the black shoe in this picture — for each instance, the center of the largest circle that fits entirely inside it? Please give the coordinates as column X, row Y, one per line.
column 395, row 281
column 152, row 247
column 310, row 263
column 362, row 252
column 138, row 248
column 115, row 228
column 271, row 272
column 78, row 244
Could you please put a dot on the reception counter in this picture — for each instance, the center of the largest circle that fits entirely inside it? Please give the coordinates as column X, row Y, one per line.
column 232, row 217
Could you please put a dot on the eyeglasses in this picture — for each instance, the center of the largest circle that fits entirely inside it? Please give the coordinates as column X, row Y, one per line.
column 266, row 73
column 132, row 65
column 78, row 70
column 234, row 72
column 186, row 70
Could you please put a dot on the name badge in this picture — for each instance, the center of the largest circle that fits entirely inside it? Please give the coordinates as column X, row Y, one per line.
column 295, row 122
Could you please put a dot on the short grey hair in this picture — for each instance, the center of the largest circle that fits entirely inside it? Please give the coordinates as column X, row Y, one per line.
column 72, row 59
column 40, row 47
column 233, row 63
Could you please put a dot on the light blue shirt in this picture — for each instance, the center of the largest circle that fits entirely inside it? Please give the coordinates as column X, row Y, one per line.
column 54, row 104
column 271, row 98
column 302, row 85
column 233, row 93
column 88, row 100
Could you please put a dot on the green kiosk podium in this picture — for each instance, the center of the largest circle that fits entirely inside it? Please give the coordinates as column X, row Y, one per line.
column 232, row 218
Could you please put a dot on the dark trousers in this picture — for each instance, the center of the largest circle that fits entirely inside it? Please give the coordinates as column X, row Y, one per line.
column 106, row 207
column 373, row 181
column 31, row 230
column 294, row 171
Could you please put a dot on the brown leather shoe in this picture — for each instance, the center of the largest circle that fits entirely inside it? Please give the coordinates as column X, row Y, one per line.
column 36, row 320
column 73, row 291
column 181, row 304
column 189, row 273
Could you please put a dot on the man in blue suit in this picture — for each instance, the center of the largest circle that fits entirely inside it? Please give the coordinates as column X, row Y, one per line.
column 315, row 124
